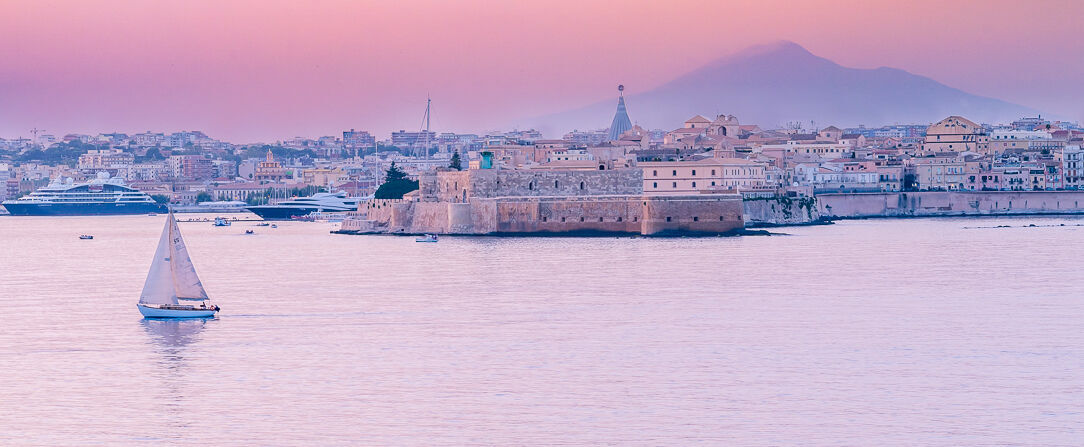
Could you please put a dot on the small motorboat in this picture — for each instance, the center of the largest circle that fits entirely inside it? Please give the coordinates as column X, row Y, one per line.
column 86, row 236
column 152, row 214
column 274, row 226
column 250, row 232
column 263, row 224
column 221, row 222
column 426, row 238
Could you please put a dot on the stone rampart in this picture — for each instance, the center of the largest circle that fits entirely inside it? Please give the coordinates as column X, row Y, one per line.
column 950, row 203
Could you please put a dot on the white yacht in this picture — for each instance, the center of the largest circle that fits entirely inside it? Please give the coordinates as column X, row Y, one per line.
column 320, row 202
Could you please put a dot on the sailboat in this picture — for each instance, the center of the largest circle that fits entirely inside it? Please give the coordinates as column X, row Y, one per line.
column 172, row 279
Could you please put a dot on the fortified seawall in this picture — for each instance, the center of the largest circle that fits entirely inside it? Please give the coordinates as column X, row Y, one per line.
column 650, row 216
column 949, row 203
column 780, row 210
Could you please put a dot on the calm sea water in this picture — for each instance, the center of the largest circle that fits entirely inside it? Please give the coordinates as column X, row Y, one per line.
column 880, row 332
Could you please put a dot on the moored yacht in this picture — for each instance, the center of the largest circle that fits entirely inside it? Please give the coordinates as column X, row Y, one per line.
column 102, row 195
column 302, row 206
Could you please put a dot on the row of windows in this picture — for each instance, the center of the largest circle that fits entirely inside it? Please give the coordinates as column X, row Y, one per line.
column 634, row 219
column 655, row 173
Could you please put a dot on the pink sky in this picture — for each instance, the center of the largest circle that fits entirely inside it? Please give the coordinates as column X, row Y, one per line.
column 266, row 70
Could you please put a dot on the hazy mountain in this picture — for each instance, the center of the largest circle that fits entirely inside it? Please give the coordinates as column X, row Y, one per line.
column 772, row 85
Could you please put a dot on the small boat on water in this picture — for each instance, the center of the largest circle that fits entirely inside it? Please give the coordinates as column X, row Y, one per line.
column 274, row 226
column 263, row 224
column 172, row 279
column 426, row 238
column 86, row 236
column 221, row 222
column 250, row 232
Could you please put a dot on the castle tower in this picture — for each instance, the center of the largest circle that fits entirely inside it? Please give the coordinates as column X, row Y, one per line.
column 621, row 123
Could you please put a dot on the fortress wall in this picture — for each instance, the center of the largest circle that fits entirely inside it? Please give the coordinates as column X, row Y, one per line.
column 950, row 203
column 705, row 213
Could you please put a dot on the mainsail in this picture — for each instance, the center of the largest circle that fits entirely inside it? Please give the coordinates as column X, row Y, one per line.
column 172, row 276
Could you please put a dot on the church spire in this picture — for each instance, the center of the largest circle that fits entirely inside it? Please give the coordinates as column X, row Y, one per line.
column 621, row 123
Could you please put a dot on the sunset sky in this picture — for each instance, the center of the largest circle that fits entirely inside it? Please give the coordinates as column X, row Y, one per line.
column 264, row 70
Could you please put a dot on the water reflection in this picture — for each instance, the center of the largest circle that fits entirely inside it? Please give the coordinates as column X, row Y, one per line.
column 174, row 333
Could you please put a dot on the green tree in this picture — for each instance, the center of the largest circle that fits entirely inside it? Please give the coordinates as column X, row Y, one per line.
column 395, row 184
column 160, row 198
column 203, row 197
column 456, row 163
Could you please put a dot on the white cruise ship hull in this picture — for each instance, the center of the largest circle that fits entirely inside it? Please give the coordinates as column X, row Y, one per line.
column 157, row 312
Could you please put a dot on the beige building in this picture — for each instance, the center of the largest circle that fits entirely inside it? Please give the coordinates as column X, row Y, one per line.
column 956, row 134
column 105, row 159
column 940, row 173
column 685, row 177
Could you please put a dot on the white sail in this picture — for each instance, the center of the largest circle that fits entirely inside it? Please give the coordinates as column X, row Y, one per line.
column 186, row 284
column 159, row 286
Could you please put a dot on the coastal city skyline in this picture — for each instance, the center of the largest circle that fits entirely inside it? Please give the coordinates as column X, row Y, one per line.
column 468, row 222
column 197, row 69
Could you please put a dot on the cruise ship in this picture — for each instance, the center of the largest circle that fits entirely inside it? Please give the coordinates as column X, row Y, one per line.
column 103, row 195
column 320, row 202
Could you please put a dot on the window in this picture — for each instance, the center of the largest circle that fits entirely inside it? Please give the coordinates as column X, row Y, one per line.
column 696, row 219
column 675, row 184
column 555, row 183
column 694, row 184
column 562, row 219
column 712, row 172
column 619, row 218
column 655, row 185
column 582, row 185
column 667, row 218
column 600, row 219
column 655, row 173
column 694, row 172
column 581, row 219
column 530, row 186
column 543, row 218
column 675, row 173
column 720, row 218
column 713, row 183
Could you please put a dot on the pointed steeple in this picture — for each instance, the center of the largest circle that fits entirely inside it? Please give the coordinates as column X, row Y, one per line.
column 621, row 123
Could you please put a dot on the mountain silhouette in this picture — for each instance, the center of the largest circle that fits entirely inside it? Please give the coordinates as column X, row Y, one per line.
column 778, row 83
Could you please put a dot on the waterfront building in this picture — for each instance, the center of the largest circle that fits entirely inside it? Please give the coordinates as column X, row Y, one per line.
column 691, row 177
column 956, row 134
column 943, row 172
column 1072, row 160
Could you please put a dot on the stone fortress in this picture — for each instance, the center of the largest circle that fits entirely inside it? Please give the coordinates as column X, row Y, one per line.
column 536, row 201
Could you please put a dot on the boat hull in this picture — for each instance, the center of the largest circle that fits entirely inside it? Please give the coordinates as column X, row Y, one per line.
column 81, row 209
column 286, row 213
column 154, row 312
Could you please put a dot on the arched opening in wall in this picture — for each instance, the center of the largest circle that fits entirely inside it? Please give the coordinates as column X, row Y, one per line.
column 464, row 195
column 562, row 219
column 619, row 218
column 667, row 218
column 583, row 185
column 600, row 219
column 581, row 219
column 601, row 167
column 696, row 218
column 530, row 186
column 555, row 184
column 544, row 218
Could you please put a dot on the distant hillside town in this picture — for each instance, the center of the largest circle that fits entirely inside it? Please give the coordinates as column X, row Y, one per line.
column 701, row 155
